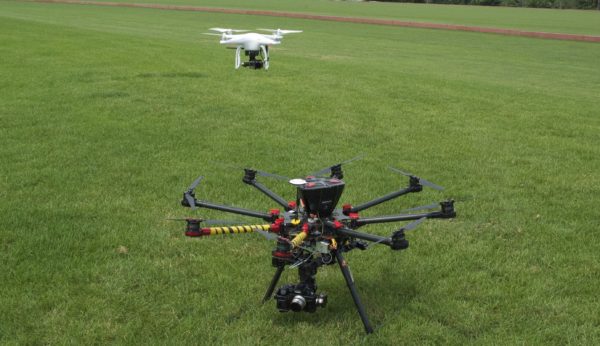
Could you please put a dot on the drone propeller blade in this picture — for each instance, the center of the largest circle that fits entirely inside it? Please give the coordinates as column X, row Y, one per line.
column 268, row 175
column 190, row 200
column 408, row 227
column 423, row 207
column 328, row 169
column 209, row 222
column 399, row 171
column 421, row 180
column 190, row 191
column 413, row 224
column 211, row 34
column 272, row 175
column 224, row 222
column 227, row 31
column 285, row 32
column 258, row 172
column 221, row 30
column 430, row 184
column 195, row 183
column 269, row 236
column 281, row 31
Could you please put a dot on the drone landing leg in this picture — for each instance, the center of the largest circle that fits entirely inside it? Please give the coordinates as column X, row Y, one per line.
column 273, row 283
column 350, row 282
column 238, row 59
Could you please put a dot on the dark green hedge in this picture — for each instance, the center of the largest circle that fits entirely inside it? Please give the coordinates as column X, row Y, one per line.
column 580, row 4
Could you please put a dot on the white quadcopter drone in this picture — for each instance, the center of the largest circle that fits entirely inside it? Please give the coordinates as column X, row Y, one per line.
column 253, row 45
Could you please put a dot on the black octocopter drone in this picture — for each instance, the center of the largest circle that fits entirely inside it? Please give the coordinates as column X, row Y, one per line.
column 311, row 232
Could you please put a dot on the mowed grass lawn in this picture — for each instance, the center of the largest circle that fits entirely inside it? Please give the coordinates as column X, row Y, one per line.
column 566, row 21
column 108, row 114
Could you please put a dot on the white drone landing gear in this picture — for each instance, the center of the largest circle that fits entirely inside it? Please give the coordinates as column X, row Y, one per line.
column 238, row 59
column 265, row 56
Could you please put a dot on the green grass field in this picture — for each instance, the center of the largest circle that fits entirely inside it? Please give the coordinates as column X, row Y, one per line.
column 108, row 114
column 566, row 21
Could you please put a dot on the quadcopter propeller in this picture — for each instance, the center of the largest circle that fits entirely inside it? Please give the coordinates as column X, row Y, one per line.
column 281, row 32
column 408, row 227
column 223, row 36
column 413, row 224
column 222, row 222
column 269, row 236
column 328, row 169
column 207, row 222
column 258, row 172
column 421, row 180
column 189, row 194
column 227, row 31
column 271, row 175
column 295, row 181
column 423, row 207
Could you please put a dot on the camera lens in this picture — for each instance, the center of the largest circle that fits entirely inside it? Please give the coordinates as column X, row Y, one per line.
column 298, row 303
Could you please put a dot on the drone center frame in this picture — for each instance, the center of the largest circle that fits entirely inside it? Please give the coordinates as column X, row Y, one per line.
column 320, row 195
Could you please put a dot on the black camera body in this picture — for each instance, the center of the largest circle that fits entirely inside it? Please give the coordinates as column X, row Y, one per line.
column 299, row 297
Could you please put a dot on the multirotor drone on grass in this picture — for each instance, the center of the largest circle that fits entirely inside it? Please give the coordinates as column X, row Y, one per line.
column 254, row 45
column 312, row 232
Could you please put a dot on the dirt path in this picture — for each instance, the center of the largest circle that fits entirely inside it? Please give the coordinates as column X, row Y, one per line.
column 512, row 32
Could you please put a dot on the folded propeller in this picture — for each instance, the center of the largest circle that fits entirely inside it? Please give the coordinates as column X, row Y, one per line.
column 420, row 180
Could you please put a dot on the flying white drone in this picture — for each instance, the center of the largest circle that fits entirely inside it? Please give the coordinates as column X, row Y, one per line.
column 253, row 45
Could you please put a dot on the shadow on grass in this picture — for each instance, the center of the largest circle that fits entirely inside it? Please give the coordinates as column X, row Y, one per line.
column 109, row 94
column 172, row 75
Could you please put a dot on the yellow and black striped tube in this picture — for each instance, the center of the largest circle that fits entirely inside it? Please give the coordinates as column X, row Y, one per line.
column 234, row 229
column 298, row 239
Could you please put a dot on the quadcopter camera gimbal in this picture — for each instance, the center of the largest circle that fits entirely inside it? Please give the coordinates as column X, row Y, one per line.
column 312, row 232
column 254, row 63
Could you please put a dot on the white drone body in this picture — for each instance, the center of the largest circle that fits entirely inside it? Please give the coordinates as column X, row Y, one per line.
column 253, row 44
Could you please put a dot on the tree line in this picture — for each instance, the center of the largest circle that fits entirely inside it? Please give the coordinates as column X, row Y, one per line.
column 578, row 4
